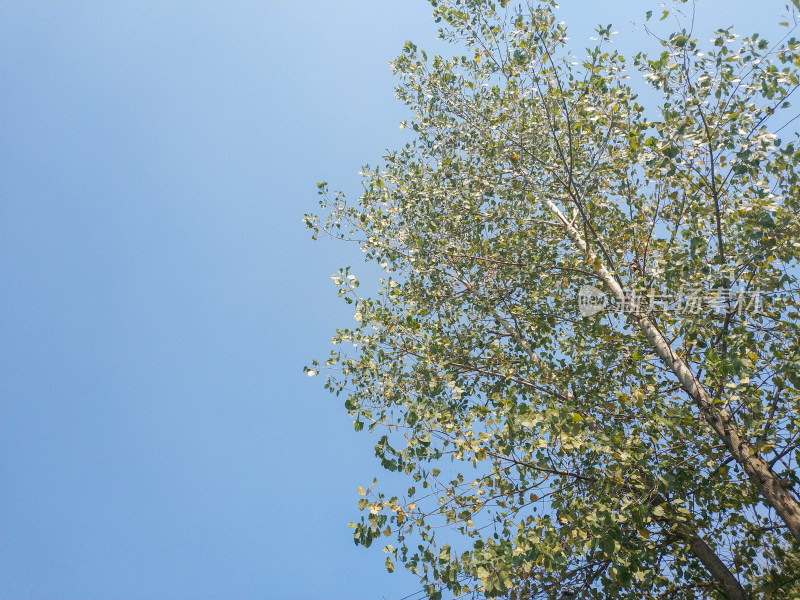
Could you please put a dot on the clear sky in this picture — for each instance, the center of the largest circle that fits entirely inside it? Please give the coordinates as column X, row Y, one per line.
column 159, row 295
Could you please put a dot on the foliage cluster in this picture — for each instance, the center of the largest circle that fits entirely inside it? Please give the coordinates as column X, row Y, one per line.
column 640, row 452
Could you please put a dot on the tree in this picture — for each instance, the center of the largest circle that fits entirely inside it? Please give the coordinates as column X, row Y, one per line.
column 585, row 352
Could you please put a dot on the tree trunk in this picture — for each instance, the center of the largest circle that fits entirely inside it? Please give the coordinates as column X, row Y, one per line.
column 745, row 454
column 729, row 585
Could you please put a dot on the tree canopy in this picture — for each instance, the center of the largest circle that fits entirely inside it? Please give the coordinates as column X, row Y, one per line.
column 585, row 351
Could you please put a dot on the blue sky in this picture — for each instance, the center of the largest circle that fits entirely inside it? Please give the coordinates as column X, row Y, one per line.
column 160, row 296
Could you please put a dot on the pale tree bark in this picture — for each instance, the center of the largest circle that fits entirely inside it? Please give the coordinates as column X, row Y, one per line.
column 744, row 453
